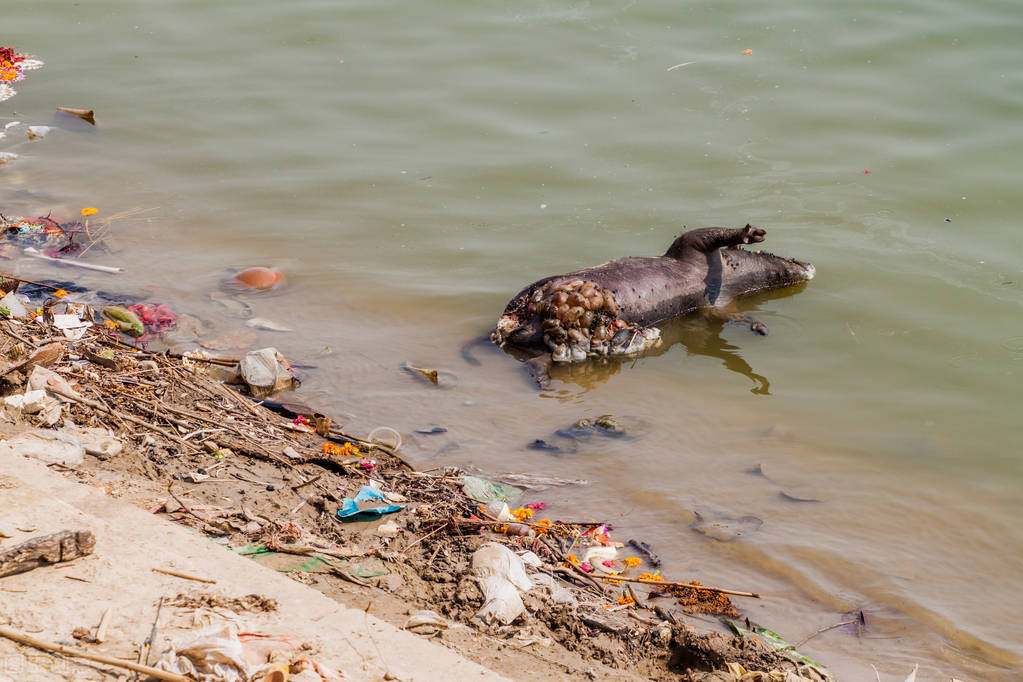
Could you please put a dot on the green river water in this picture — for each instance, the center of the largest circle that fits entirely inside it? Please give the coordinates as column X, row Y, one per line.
column 410, row 166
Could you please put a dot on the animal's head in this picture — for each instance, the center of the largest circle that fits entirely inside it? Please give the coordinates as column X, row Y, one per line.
column 751, row 271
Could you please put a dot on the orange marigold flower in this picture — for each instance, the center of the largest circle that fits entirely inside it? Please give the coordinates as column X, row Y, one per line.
column 332, row 449
column 522, row 514
column 632, row 561
column 90, row 211
column 572, row 559
column 613, row 581
column 626, row 600
column 60, row 293
column 651, row 576
column 349, row 450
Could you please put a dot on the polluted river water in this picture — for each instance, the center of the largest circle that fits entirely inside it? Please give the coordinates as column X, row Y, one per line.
column 409, row 167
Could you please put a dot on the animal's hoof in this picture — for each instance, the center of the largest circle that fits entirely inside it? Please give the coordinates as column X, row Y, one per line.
column 753, row 235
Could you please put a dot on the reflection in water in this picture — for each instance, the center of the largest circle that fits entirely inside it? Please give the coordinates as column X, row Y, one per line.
column 700, row 335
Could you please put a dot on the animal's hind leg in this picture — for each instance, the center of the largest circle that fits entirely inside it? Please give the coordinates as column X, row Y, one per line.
column 708, row 239
column 540, row 369
column 720, row 315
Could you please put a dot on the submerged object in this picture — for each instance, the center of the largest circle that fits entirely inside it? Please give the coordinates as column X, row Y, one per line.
column 609, row 309
column 256, row 279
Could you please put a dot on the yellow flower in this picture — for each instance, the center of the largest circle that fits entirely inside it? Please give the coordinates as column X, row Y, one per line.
column 632, row 562
column 522, row 514
column 572, row 558
column 60, row 293
column 90, row 211
column 6, row 64
column 651, row 576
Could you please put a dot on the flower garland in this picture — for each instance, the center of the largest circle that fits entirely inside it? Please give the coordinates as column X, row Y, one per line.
column 12, row 69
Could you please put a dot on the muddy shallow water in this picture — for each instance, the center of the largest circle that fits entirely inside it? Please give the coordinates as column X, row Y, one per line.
column 412, row 167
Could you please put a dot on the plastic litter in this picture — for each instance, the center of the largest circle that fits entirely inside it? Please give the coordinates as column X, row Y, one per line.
column 267, row 325
column 426, row 623
column 38, row 132
column 14, row 305
column 72, row 327
column 483, row 490
column 369, row 504
column 258, row 279
column 126, row 321
column 155, row 317
column 265, row 371
column 36, row 253
column 498, row 511
column 217, row 655
column 597, row 555
column 557, row 592
column 387, row 530
column 501, row 576
column 391, row 439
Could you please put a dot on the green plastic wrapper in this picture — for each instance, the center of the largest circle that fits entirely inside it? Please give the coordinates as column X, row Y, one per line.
column 482, row 490
column 127, row 321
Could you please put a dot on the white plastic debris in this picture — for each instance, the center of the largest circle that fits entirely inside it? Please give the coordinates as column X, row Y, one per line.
column 215, row 656
column 11, row 124
column 11, row 301
column 7, row 157
column 268, row 325
column 498, row 510
column 387, row 530
column 426, row 623
column 265, row 371
column 531, row 559
column 36, row 253
column 51, row 447
column 38, row 132
column 557, row 592
column 501, row 576
column 597, row 555
column 72, row 327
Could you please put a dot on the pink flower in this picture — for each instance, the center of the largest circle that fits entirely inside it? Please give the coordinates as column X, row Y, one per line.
column 536, row 505
column 586, row 567
column 609, row 564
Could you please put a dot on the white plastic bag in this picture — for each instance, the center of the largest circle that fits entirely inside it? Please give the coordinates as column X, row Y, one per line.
column 216, row 655
column 501, row 576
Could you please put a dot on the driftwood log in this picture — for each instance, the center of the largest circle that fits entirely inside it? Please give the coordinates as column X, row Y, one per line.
column 48, row 549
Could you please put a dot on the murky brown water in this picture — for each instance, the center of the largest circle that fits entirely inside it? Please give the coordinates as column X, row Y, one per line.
column 411, row 167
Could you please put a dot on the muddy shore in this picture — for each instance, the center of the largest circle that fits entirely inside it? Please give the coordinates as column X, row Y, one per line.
column 267, row 480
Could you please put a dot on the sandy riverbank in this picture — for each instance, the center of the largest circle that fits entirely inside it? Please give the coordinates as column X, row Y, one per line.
column 263, row 483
